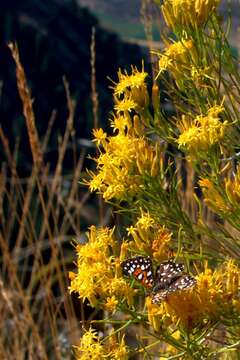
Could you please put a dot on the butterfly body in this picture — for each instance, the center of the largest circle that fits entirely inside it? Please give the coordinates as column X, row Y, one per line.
column 169, row 276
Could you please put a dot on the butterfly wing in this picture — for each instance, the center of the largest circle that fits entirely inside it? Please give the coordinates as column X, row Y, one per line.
column 140, row 267
column 181, row 283
column 167, row 272
column 184, row 282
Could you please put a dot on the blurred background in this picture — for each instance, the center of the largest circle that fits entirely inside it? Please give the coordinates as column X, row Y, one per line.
column 68, row 49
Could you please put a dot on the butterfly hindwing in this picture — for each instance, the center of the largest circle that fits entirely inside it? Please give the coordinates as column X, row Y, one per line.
column 180, row 283
column 140, row 267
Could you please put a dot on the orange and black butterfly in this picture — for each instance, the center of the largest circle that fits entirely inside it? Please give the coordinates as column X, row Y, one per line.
column 169, row 276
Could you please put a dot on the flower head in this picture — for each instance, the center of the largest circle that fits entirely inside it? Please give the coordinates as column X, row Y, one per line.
column 122, row 163
column 156, row 314
column 127, row 104
column 131, row 91
column 177, row 55
column 99, row 136
column 232, row 188
column 97, row 279
column 178, row 59
column 213, row 197
column 91, row 347
column 223, row 197
column 120, row 123
column 126, row 82
column 150, row 237
column 111, row 303
column 117, row 349
column 187, row 12
column 198, row 135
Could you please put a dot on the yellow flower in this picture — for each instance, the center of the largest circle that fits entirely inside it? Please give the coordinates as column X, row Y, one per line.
column 176, row 55
column 142, row 232
column 177, row 58
column 124, row 105
column 160, row 244
column 145, row 221
column 121, row 123
column 199, row 74
column 96, row 278
column 131, row 91
column 125, row 158
column 121, row 164
column 124, row 250
column 111, row 303
column 171, row 349
column 187, row 12
column 212, row 197
column 156, row 314
column 100, row 136
column 232, row 188
column 226, row 196
column 117, row 350
column 122, row 289
column 148, row 158
column 90, row 347
column 198, row 135
column 96, row 183
column 131, row 230
column 126, row 82
column 232, row 279
column 150, row 237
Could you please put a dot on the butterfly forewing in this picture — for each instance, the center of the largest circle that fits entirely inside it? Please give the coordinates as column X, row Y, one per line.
column 140, row 268
column 167, row 272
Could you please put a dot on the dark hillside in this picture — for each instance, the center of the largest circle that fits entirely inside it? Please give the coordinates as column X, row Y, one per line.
column 54, row 40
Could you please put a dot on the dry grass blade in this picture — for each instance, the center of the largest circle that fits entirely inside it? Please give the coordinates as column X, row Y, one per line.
column 27, row 106
column 93, row 79
column 40, row 215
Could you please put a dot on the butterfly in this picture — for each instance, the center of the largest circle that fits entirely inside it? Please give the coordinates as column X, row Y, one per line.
column 168, row 278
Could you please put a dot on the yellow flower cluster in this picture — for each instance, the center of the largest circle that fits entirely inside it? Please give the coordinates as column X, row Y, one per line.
column 98, row 278
column 177, row 58
column 215, row 297
column 127, row 156
column 131, row 91
column 182, row 61
column 186, row 13
column 198, row 135
column 92, row 348
column 232, row 188
column 150, row 238
column 225, row 199
column 212, row 196
column 122, row 161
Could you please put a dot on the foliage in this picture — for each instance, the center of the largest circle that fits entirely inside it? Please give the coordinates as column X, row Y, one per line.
column 139, row 169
